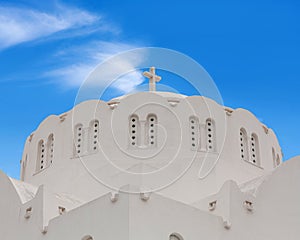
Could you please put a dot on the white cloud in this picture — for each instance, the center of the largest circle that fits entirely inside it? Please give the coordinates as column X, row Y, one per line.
column 129, row 82
column 84, row 60
column 71, row 75
column 19, row 25
column 74, row 64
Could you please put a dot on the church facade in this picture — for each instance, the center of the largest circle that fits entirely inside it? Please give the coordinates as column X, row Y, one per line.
column 152, row 165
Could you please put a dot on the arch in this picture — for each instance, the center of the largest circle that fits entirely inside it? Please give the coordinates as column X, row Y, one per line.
column 151, row 128
column 88, row 237
column 134, row 130
column 244, row 145
column 254, row 150
column 50, row 149
column 278, row 161
column 274, row 157
column 210, row 128
column 41, row 156
column 78, row 140
column 93, row 136
column 194, row 132
column 175, row 236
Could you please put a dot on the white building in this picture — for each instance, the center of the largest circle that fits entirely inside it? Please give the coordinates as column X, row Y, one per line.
column 152, row 165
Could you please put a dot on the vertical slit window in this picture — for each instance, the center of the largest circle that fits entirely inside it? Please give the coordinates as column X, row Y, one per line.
column 278, row 161
column 50, row 149
column 41, row 156
column 254, row 149
column 152, row 130
column 78, row 139
column 210, row 133
column 244, row 145
column 133, row 130
column 194, row 133
column 274, row 158
column 94, row 135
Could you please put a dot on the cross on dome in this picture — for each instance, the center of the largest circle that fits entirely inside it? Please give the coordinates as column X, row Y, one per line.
column 153, row 78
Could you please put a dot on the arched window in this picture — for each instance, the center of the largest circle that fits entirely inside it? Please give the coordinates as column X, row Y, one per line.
column 50, row 149
column 78, row 140
column 41, row 156
column 254, row 149
column 175, row 236
column 210, row 134
column 244, row 145
column 151, row 130
column 93, row 136
column 194, row 133
column 87, row 238
column 133, row 130
column 278, row 161
column 274, row 158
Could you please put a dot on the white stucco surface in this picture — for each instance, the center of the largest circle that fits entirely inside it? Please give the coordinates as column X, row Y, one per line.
column 152, row 165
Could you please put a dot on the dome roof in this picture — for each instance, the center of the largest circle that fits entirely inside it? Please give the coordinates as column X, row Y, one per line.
column 173, row 141
column 162, row 94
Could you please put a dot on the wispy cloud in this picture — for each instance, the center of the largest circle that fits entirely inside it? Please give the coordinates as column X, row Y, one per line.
column 18, row 25
column 73, row 64
column 84, row 59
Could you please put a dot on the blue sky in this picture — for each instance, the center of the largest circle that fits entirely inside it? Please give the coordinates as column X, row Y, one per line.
column 250, row 48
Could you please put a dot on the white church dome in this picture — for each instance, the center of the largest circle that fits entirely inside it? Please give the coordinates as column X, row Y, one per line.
column 152, row 165
column 158, row 141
